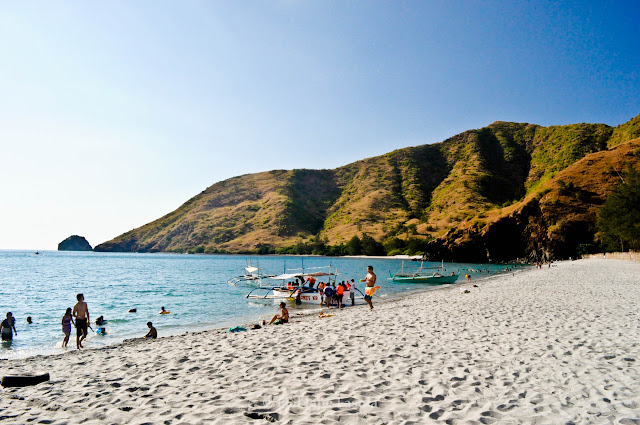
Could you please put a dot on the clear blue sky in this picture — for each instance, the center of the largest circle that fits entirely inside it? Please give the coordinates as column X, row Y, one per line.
column 114, row 113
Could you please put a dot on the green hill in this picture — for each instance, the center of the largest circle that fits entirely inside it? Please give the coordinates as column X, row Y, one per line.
column 449, row 199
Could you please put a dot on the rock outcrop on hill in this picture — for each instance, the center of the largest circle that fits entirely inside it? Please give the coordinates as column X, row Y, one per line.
column 505, row 191
column 74, row 243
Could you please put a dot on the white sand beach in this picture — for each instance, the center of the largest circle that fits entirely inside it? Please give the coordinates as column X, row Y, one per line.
column 559, row 345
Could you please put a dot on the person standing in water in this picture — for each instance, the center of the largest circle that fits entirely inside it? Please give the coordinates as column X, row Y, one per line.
column 67, row 320
column 370, row 278
column 8, row 328
column 81, row 313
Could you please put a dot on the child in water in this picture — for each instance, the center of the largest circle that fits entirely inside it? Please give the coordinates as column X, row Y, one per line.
column 67, row 320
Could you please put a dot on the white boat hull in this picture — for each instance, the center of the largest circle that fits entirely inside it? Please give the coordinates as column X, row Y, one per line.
column 306, row 297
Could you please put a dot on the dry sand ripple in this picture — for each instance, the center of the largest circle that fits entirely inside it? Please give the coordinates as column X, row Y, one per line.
column 550, row 346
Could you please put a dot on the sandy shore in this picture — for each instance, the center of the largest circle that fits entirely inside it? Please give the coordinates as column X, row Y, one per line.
column 550, row 346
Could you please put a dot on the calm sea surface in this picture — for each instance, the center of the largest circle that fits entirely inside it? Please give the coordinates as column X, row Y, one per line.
column 192, row 287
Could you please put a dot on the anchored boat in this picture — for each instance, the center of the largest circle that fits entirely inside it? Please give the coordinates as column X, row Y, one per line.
column 303, row 282
column 422, row 275
column 252, row 275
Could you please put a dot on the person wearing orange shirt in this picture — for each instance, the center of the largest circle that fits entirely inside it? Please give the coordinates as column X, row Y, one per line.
column 339, row 294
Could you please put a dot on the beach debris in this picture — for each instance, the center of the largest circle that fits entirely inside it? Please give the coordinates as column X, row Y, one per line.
column 256, row 326
column 24, row 380
column 269, row 417
column 323, row 315
column 237, row 329
column 466, row 291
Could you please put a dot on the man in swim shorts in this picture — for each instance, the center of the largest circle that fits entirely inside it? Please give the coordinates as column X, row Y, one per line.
column 370, row 278
column 81, row 313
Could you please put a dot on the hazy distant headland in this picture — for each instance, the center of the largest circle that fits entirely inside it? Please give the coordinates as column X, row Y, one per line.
column 505, row 191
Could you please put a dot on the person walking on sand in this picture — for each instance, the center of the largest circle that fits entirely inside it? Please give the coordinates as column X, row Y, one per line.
column 67, row 320
column 370, row 278
column 283, row 317
column 8, row 328
column 81, row 313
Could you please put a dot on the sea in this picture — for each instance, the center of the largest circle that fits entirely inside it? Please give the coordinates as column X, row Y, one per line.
column 193, row 288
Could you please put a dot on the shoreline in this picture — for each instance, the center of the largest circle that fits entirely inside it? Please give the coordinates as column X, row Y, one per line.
column 250, row 320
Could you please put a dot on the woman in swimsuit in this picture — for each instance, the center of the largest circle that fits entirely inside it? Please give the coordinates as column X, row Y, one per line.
column 67, row 320
column 282, row 318
column 8, row 328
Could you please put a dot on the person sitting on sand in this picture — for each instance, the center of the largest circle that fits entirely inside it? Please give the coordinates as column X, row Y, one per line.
column 283, row 317
column 67, row 320
column 8, row 328
column 153, row 333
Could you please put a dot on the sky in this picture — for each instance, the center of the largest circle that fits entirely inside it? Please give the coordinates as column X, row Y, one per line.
column 115, row 113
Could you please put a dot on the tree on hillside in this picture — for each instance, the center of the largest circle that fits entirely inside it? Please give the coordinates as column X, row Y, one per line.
column 619, row 219
column 354, row 246
column 370, row 246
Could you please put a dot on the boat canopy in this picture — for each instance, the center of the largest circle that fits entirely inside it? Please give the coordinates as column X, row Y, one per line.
column 287, row 276
column 251, row 269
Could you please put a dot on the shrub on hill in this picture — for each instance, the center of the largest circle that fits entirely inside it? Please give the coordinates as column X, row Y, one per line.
column 619, row 219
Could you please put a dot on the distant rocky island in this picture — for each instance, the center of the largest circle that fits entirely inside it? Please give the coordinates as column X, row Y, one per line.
column 74, row 243
column 505, row 191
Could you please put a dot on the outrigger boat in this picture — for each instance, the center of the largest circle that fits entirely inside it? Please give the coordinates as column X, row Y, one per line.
column 252, row 275
column 308, row 291
column 419, row 276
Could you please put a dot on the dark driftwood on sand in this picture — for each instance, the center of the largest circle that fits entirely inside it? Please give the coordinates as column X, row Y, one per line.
column 24, row 381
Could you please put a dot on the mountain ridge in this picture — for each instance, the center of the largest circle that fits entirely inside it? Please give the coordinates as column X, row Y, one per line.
column 429, row 193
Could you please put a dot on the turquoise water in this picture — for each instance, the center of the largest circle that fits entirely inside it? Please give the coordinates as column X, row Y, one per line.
column 192, row 287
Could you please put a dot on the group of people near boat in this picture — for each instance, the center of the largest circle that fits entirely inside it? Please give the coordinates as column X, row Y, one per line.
column 332, row 294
